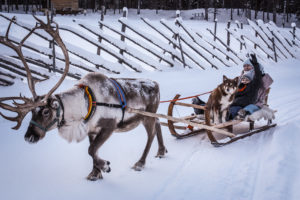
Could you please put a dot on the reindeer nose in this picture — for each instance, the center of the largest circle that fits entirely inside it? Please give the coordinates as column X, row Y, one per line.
column 31, row 138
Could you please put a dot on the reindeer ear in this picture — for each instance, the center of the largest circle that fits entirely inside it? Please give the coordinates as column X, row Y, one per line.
column 54, row 104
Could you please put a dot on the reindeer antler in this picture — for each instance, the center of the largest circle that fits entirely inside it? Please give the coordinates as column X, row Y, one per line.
column 18, row 49
column 55, row 34
column 20, row 108
column 29, row 104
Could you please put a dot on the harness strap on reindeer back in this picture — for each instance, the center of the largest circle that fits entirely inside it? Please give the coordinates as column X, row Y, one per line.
column 92, row 103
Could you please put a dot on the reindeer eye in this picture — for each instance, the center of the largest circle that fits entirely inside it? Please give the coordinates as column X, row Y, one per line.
column 46, row 112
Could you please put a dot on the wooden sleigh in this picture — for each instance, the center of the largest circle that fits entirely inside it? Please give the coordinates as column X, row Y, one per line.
column 204, row 126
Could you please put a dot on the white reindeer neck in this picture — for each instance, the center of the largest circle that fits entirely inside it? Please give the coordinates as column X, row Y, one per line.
column 74, row 104
column 74, row 129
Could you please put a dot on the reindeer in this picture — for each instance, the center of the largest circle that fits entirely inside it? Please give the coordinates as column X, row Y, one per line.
column 95, row 107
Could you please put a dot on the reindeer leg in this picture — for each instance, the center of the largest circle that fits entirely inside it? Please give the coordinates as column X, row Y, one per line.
column 95, row 174
column 149, row 124
column 98, row 164
column 161, row 147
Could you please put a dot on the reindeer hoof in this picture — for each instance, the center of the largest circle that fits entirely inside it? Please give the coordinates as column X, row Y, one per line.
column 161, row 153
column 138, row 166
column 94, row 175
column 105, row 167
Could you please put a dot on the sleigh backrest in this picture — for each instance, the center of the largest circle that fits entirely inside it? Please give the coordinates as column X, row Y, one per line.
column 267, row 95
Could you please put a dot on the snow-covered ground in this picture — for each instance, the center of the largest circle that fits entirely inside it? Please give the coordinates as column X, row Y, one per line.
column 260, row 167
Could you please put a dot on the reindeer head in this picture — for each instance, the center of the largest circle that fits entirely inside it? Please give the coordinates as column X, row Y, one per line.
column 44, row 118
column 46, row 108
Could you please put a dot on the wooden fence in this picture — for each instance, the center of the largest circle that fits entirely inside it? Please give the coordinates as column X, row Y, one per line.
column 169, row 46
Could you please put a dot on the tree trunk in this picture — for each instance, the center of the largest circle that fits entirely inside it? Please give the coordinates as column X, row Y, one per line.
column 268, row 11
column 274, row 11
column 7, row 5
column 215, row 10
column 17, row 4
column 179, row 5
column 115, row 5
column 188, row 4
column 231, row 10
column 256, row 9
column 287, row 10
column 139, row 7
column 27, row 6
column 206, row 10
column 249, row 10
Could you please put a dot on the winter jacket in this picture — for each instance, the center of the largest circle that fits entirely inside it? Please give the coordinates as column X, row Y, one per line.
column 248, row 94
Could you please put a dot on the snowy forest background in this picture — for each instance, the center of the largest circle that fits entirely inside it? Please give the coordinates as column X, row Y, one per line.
column 270, row 9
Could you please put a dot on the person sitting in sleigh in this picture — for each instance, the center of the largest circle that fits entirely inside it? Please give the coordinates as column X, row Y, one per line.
column 252, row 90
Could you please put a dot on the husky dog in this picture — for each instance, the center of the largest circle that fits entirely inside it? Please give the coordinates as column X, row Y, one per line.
column 220, row 99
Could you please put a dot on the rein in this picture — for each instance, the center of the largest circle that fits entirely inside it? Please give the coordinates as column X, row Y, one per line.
column 173, row 100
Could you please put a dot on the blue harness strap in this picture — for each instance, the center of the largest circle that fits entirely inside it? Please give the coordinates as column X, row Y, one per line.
column 121, row 97
column 120, row 93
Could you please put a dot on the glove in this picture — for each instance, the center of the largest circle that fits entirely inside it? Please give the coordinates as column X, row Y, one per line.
column 253, row 59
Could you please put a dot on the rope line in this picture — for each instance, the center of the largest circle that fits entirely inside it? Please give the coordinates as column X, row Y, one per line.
column 173, row 100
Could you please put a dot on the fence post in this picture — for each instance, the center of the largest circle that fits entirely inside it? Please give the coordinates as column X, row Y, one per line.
column 177, row 36
column 274, row 49
column 215, row 30
column 241, row 45
column 125, row 13
column 256, row 34
column 228, row 38
column 52, row 45
column 293, row 25
column 101, row 27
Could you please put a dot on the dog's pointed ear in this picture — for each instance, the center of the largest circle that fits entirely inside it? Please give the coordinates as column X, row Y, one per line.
column 224, row 78
column 236, row 79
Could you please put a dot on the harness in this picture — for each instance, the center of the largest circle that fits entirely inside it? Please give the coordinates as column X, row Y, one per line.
column 92, row 103
column 56, row 119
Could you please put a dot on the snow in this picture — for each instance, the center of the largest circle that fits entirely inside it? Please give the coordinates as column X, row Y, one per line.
column 263, row 166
